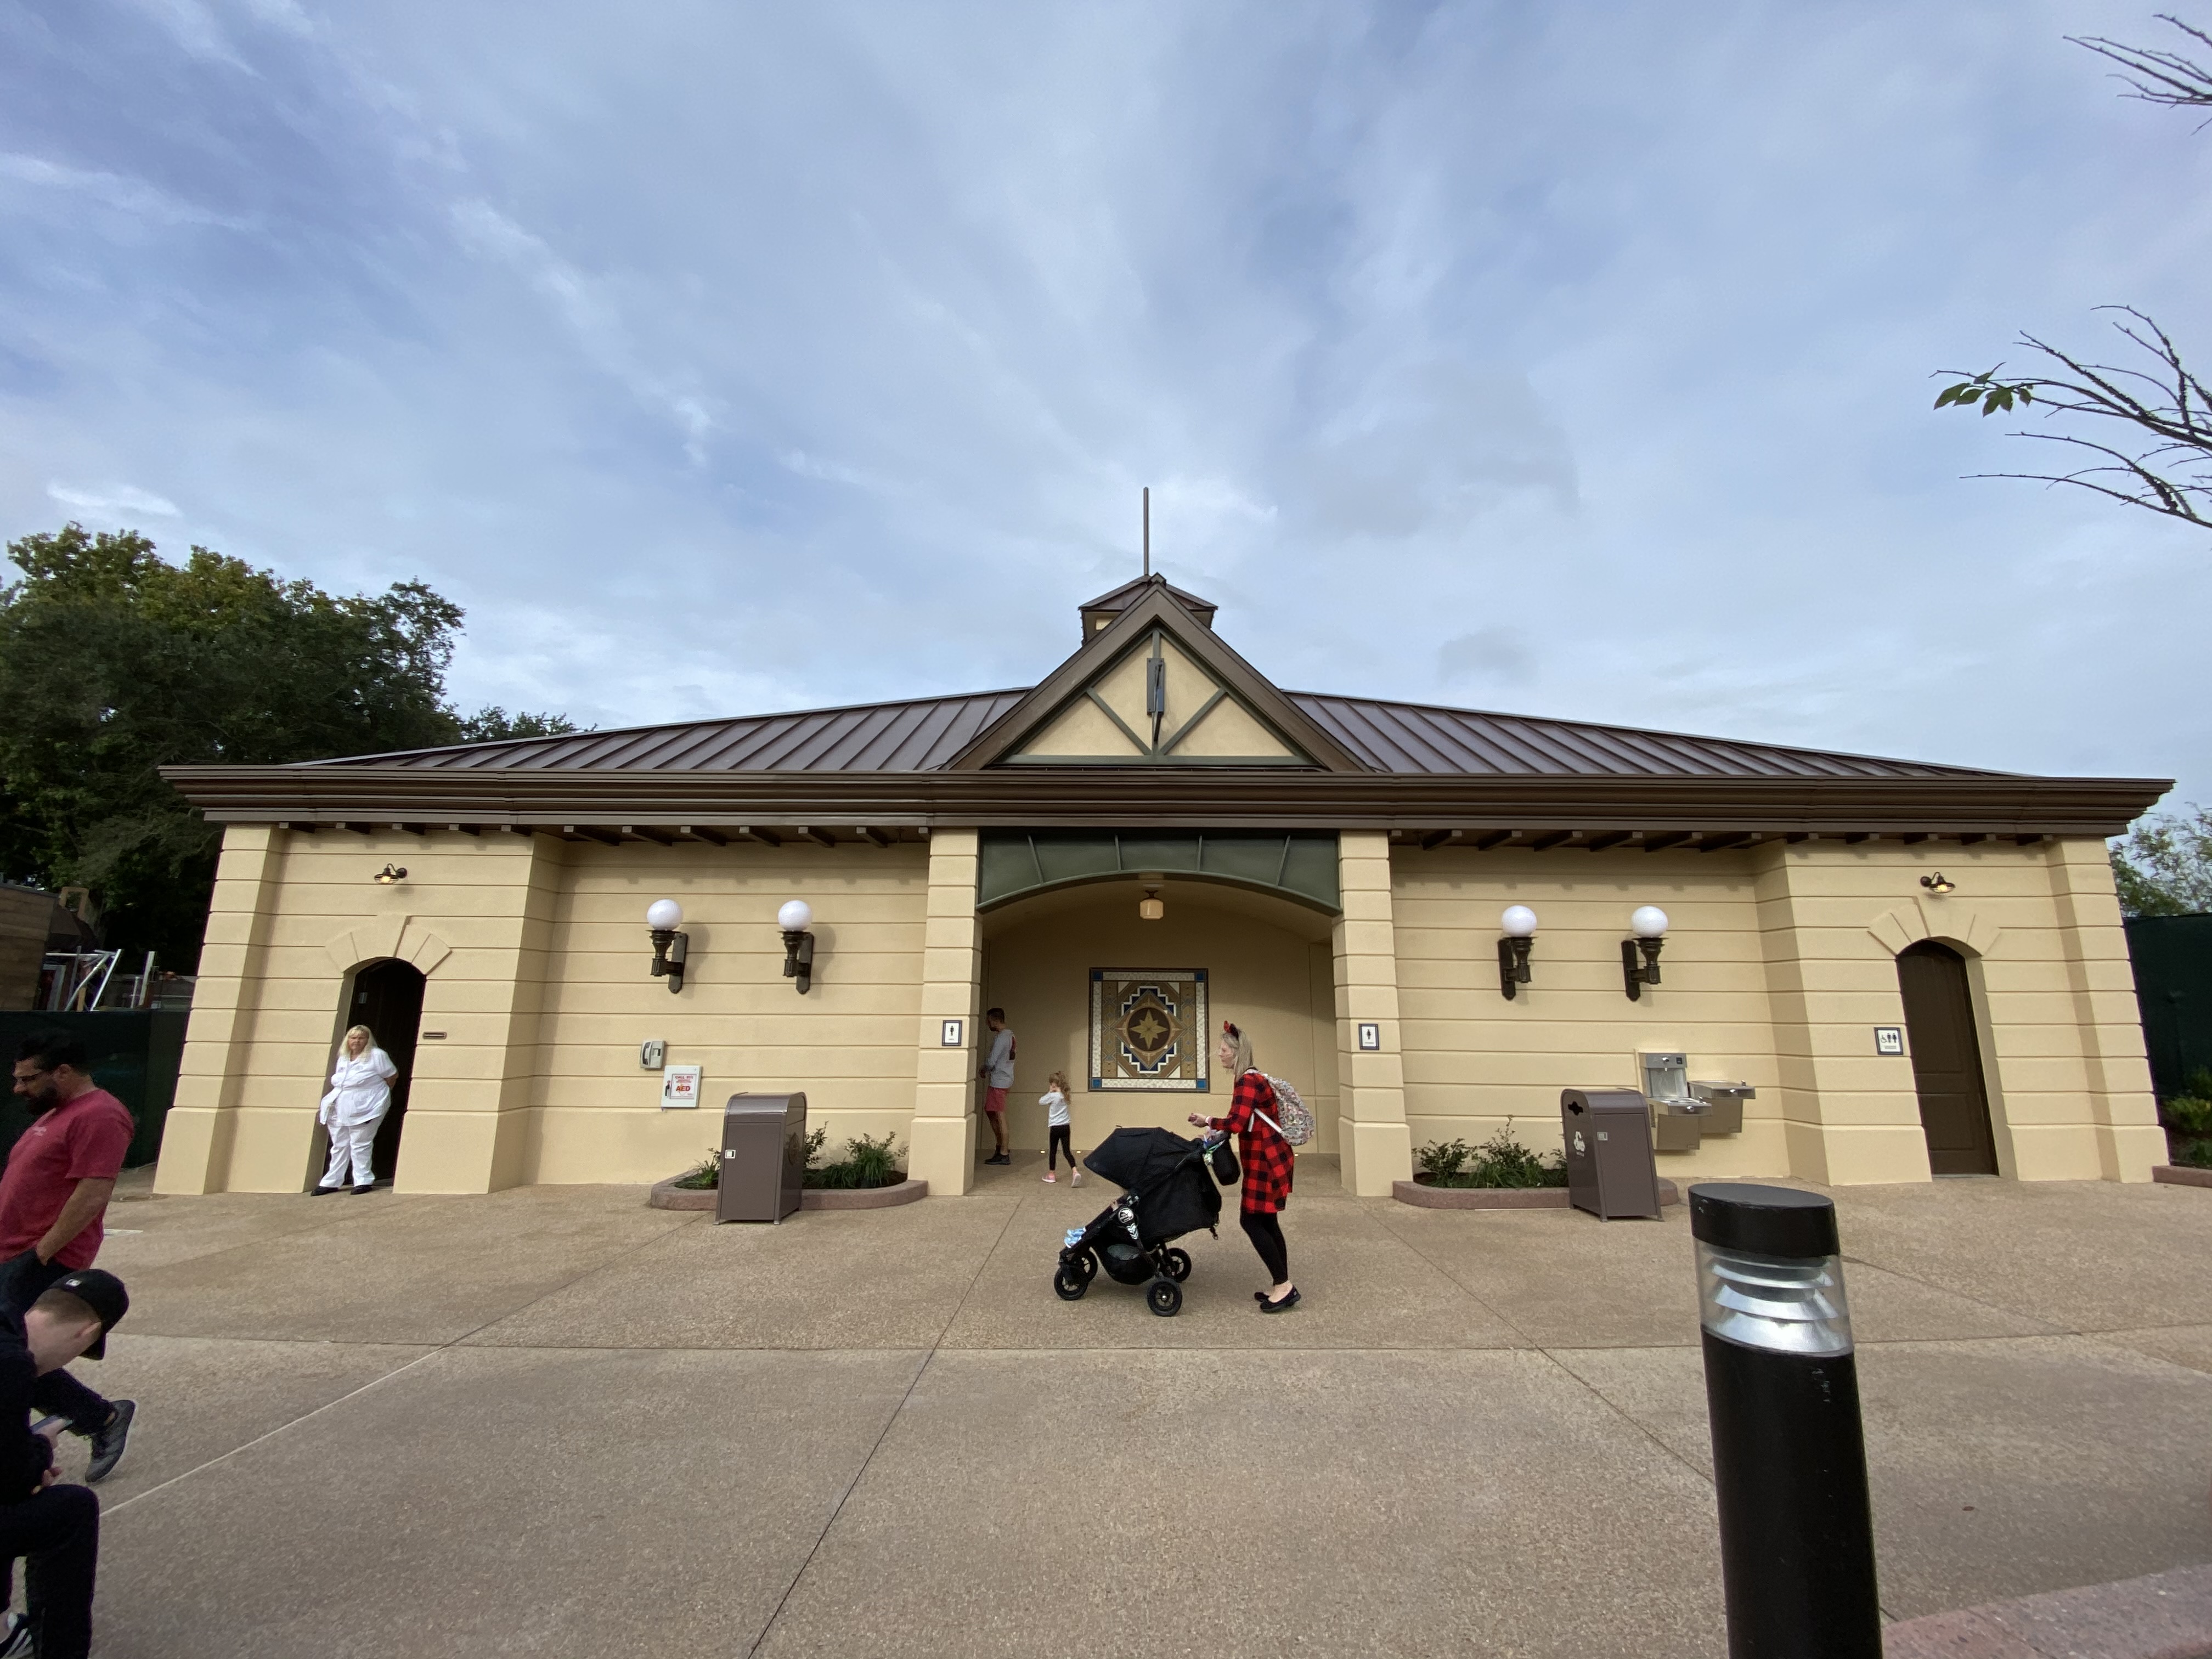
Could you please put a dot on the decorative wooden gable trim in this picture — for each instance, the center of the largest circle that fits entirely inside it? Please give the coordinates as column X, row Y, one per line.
column 1155, row 688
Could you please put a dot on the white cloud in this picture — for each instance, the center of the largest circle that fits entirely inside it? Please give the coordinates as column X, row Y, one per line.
column 114, row 498
column 1573, row 358
column 115, row 190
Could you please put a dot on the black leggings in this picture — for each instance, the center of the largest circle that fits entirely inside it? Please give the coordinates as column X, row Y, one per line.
column 1058, row 1142
column 1265, row 1232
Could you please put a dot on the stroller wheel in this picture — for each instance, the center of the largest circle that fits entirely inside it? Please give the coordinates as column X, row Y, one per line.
column 1088, row 1264
column 1178, row 1265
column 1164, row 1298
column 1069, row 1284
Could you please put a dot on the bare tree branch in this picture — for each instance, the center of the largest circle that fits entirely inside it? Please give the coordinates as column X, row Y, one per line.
column 2172, row 474
column 2159, row 77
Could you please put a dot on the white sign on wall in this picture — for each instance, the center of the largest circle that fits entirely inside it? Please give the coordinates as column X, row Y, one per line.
column 1888, row 1040
column 679, row 1086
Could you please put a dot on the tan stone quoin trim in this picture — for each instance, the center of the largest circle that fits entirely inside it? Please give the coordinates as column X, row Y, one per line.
column 387, row 937
column 1937, row 918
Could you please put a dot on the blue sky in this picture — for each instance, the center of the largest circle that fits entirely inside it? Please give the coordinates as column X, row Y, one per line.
column 1563, row 359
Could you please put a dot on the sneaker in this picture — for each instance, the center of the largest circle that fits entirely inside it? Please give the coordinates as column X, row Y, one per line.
column 107, row 1445
column 15, row 1638
column 1075, row 1177
column 1050, row 1176
column 998, row 1157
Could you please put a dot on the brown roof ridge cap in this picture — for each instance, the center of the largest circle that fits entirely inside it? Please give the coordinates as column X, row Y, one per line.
column 652, row 725
column 1661, row 732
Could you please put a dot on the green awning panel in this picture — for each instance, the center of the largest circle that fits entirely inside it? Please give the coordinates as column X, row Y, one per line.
column 1298, row 864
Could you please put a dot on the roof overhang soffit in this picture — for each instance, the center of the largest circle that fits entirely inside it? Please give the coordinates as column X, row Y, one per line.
column 1005, row 735
column 1148, row 797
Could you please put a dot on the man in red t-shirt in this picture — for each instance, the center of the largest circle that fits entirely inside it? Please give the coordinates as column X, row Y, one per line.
column 59, row 1177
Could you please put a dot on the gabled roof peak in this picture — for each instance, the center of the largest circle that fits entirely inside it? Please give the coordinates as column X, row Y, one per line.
column 1097, row 613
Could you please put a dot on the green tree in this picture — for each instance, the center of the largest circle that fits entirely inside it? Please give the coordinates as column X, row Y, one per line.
column 2142, row 429
column 115, row 662
column 2164, row 865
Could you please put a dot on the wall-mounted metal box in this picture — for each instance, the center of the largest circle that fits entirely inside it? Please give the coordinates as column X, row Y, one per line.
column 1724, row 1105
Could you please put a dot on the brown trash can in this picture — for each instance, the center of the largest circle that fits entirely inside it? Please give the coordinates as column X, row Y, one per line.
column 1610, row 1170
column 764, row 1158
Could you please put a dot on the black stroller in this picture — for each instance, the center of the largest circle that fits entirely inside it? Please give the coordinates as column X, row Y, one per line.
column 1167, row 1190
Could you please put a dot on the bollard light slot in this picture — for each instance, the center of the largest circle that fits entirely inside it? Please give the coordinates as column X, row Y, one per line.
column 1783, row 1305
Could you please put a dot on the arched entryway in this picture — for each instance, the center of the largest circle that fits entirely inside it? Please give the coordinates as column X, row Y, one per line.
column 387, row 997
column 1947, row 1060
column 1266, row 962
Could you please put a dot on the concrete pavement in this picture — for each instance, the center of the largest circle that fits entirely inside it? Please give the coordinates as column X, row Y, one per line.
column 553, row 1421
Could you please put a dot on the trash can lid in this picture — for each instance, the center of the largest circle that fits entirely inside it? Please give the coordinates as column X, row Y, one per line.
column 1742, row 1215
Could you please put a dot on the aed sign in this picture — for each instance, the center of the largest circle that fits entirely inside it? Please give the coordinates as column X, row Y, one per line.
column 679, row 1086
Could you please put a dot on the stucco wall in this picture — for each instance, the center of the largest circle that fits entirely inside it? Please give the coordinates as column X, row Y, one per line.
column 537, row 960
column 1268, row 963
column 1779, row 963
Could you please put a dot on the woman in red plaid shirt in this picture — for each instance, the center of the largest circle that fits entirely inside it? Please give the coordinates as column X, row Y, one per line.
column 1268, row 1160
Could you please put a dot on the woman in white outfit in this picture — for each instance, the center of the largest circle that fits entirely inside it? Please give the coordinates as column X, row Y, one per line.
column 360, row 1091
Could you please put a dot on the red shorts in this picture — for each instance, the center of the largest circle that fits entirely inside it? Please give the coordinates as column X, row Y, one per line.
column 994, row 1101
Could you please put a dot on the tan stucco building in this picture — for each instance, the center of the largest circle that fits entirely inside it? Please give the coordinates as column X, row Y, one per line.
column 1894, row 956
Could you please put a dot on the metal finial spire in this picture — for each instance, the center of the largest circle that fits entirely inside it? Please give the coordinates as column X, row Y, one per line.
column 1148, row 530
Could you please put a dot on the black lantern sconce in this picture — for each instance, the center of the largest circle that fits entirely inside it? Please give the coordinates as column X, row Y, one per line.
column 1519, row 923
column 392, row 875
column 1649, row 924
column 1934, row 884
column 663, row 917
column 797, row 942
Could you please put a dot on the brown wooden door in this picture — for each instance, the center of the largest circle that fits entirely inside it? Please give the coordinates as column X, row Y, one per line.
column 1947, row 1060
column 388, row 998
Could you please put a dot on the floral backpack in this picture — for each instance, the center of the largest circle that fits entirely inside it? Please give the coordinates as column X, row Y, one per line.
column 1297, row 1123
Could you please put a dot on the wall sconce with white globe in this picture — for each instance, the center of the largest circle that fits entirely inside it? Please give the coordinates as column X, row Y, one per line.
column 1151, row 907
column 1649, row 923
column 1519, row 923
column 795, row 918
column 663, row 917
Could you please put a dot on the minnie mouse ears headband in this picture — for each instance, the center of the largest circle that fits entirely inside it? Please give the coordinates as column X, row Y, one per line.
column 1229, row 1029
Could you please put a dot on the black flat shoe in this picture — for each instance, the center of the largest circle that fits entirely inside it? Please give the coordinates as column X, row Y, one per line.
column 324, row 1192
column 360, row 1192
column 1284, row 1306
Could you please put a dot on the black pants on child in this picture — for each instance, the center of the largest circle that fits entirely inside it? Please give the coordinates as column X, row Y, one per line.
column 1058, row 1142
column 1265, row 1232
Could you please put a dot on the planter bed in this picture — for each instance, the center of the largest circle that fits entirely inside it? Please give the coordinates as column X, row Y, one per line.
column 667, row 1195
column 1423, row 1196
column 2180, row 1175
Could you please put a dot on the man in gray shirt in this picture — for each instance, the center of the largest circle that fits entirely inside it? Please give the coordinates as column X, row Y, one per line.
column 998, row 1075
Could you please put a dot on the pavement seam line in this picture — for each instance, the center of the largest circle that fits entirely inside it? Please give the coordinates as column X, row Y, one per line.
column 374, row 1381
column 890, row 1420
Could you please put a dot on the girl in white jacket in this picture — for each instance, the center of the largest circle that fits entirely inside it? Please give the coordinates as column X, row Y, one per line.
column 1054, row 1102
column 360, row 1092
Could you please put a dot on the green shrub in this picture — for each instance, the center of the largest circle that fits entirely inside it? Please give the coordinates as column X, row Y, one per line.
column 1500, row 1161
column 706, row 1177
column 868, row 1162
column 2191, row 1154
column 2191, row 1113
column 1443, row 1160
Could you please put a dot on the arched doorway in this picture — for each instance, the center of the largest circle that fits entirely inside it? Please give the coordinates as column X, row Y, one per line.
column 388, row 998
column 1268, row 962
column 1947, row 1060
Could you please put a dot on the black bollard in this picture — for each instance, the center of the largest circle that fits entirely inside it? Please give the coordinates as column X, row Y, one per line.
column 1781, row 1392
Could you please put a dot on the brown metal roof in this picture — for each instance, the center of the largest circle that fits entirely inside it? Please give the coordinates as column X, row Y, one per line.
column 916, row 736
column 923, row 734
column 1415, row 738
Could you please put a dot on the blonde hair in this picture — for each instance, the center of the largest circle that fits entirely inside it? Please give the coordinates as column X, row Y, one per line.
column 1242, row 1060
column 353, row 1031
column 1056, row 1080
